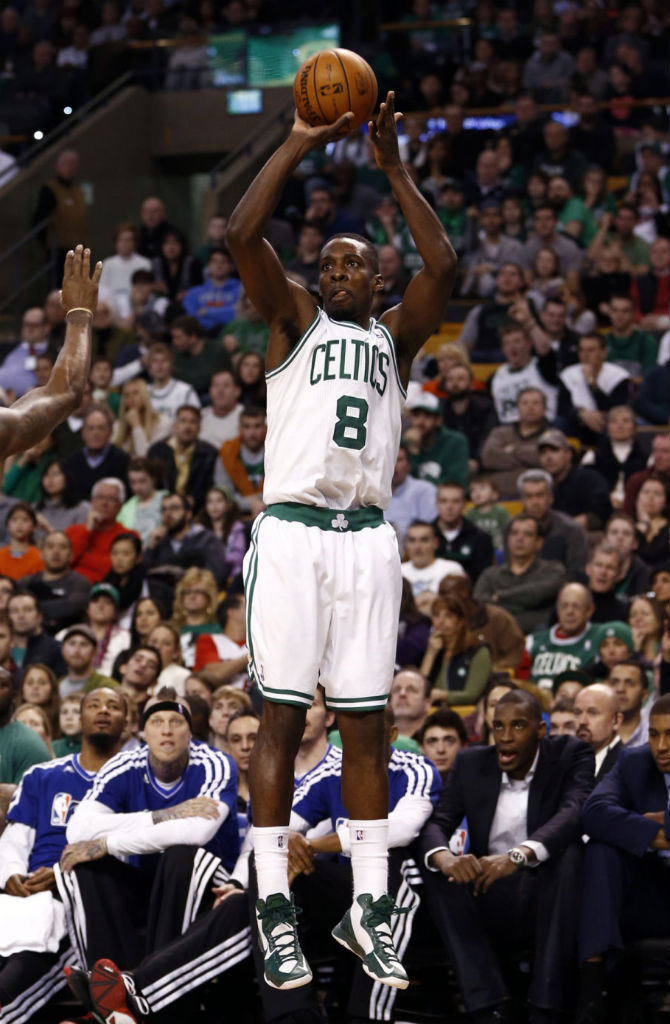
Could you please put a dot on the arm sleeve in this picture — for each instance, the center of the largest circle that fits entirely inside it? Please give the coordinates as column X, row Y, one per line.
column 478, row 674
column 140, row 441
column 79, row 539
column 241, row 870
column 16, row 844
column 136, row 833
column 205, row 652
column 470, row 330
column 543, row 588
column 447, row 815
column 222, row 479
column 493, row 454
column 564, row 826
column 407, row 819
column 485, row 587
column 608, row 815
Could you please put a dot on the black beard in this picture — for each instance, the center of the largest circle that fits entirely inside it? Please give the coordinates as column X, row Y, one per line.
column 102, row 742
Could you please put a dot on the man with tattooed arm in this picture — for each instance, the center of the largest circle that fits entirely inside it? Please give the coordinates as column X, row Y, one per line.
column 168, row 809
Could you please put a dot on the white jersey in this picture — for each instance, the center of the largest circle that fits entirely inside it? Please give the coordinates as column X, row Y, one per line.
column 507, row 384
column 333, row 409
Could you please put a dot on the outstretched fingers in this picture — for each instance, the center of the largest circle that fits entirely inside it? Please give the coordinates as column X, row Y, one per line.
column 85, row 263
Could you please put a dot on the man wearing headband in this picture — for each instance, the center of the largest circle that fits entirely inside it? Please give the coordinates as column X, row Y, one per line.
column 168, row 810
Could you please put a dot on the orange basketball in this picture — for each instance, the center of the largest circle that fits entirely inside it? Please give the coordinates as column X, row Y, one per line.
column 332, row 82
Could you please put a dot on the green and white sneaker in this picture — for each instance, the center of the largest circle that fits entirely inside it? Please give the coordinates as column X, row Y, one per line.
column 285, row 965
column 365, row 929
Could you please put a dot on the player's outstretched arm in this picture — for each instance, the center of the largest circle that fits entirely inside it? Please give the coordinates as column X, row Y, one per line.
column 40, row 410
column 426, row 295
column 261, row 272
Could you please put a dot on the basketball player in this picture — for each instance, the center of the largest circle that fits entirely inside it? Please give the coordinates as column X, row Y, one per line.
column 32, row 843
column 322, row 574
column 33, row 416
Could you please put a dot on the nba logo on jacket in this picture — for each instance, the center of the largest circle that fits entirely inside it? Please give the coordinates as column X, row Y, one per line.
column 60, row 808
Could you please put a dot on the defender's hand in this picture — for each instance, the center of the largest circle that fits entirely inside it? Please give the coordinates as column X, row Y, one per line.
column 80, row 288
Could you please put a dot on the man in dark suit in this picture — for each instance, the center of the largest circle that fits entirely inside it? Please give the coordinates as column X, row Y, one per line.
column 597, row 720
column 522, row 799
column 99, row 458
column 188, row 461
column 626, row 872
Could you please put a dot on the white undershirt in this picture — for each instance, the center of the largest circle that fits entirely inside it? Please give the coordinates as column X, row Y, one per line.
column 510, row 820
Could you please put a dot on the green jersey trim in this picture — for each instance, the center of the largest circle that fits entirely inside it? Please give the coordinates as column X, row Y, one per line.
column 389, row 337
column 294, row 351
column 330, row 519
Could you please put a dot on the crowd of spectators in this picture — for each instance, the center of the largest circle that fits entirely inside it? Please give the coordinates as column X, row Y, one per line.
column 530, row 493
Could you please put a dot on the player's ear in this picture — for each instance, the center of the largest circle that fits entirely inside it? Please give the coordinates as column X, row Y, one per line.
column 378, row 283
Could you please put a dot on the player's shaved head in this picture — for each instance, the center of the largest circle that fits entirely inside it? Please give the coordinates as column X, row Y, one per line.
column 369, row 251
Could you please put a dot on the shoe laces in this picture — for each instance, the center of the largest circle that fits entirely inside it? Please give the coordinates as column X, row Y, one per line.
column 279, row 926
column 380, row 913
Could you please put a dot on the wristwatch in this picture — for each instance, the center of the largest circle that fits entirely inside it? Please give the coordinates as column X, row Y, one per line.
column 518, row 856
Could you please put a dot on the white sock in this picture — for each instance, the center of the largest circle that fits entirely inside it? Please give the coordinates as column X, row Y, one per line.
column 271, row 856
column 369, row 856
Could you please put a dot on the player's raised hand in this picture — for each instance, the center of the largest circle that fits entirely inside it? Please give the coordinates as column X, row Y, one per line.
column 80, row 287
column 319, row 134
column 384, row 134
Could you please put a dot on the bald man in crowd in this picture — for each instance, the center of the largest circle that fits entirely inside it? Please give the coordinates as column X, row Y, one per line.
column 597, row 719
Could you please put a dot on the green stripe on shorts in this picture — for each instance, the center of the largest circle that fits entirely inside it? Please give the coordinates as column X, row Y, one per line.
column 377, row 703
column 331, row 519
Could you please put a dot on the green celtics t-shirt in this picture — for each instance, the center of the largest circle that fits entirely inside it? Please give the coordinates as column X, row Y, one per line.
column 20, row 749
column 492, row 521
column 551, row 653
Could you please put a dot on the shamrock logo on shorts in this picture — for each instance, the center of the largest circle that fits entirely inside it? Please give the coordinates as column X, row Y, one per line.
column 339, row 522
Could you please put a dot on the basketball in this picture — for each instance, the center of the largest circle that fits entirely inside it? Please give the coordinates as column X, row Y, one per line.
column 330, row 83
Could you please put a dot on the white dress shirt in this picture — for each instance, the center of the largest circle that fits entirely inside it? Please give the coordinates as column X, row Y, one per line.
column 510, row 820
column 602, row 754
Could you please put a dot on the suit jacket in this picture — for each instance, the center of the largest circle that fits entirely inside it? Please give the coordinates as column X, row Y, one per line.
column 611, row 759
column 201, row 472
column 562, row 781
column 614, row 813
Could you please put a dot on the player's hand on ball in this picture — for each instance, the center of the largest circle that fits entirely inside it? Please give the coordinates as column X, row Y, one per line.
column 321, row 133
column 80, row 287
column 384, row 135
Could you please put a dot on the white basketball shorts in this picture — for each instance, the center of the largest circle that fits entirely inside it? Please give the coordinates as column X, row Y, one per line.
column 323, row 599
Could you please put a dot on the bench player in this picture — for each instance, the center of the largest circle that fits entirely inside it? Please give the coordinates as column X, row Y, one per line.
column 322, row 574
